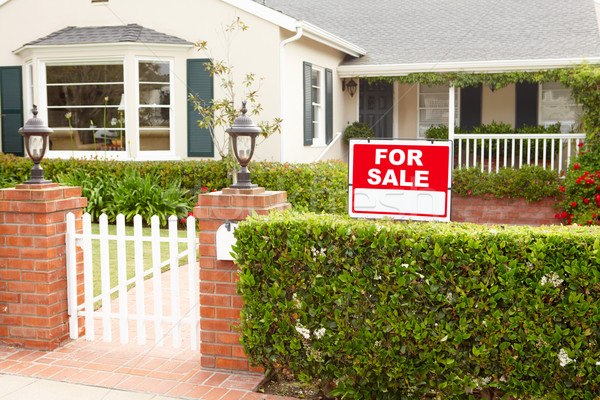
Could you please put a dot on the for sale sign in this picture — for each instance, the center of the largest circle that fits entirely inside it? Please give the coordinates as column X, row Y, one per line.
column 401, row 179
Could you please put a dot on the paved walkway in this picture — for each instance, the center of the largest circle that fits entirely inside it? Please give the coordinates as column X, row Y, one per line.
column 100, row 370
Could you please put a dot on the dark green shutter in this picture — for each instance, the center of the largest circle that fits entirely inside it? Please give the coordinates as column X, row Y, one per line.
column 470, row 107
column 308, row 109
column 328, row 105
column 200, row 83
column 526, row 104
column 11, row 97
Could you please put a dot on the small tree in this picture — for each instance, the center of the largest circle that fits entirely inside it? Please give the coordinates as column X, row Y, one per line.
column 218, row 114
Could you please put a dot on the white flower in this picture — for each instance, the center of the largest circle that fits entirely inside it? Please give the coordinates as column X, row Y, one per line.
column 319, row 333
column 316, row 253
column 296, row 301
column 563, row 358
column 305, row 333
column 113, row 121
column 552, row 278
column 450, row 297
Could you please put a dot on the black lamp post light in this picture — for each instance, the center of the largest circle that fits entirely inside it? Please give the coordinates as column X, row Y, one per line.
column 243, row 133
column 351, row 86
column 36, row 134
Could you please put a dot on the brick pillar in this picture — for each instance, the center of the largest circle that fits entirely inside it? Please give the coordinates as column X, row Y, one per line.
column 219, row 303
column 33, row 278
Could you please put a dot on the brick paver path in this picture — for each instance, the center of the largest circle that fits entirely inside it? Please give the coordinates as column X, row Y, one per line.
column 148, row 368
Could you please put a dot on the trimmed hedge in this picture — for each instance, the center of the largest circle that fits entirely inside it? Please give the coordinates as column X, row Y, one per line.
column 318, row 187
column 420, row 311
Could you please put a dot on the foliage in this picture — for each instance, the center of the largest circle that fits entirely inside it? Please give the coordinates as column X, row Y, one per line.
column 358, row 130
column 530, row 182
column 221, row 113
column 130, row 195
column 422, row 310
column 581, row 188
column 318, row 187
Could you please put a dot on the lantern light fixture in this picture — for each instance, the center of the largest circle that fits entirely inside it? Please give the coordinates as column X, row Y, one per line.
column 351, row 86
column 243, row 134
column 36, row 135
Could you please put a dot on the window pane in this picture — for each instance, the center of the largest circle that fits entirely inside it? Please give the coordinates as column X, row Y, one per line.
column 315, row 77
column 151, row 117
column 80, row 95
column 154, row 72
column 154, row 140
column 558, row 106
column 84, row 73
column 87, row 140
column 83, row 117
column 158, row 94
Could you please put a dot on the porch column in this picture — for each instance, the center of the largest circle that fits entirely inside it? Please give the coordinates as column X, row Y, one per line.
column 220, row 305
column 451, row 106
column 33, row 264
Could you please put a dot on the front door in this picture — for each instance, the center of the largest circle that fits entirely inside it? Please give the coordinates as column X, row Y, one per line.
column 11, row 110
column 376, row 105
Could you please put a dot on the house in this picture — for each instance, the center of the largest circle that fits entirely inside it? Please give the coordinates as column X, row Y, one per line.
column 112, row 77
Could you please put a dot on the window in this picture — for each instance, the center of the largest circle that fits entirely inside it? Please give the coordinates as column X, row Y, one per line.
column 154, row 105
column 433, row 107
column 557, row 105
column 318, row 105
column 86, row 107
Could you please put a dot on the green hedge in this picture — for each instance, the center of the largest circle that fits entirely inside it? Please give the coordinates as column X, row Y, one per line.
column 423, row 311
column 318, row 187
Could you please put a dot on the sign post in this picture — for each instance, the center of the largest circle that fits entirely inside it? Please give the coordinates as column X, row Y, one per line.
column 401, row 179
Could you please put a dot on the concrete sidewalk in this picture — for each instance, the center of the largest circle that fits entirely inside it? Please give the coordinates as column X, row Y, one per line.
column 15, row 387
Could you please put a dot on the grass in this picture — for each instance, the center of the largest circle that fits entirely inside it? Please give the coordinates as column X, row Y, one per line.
column 130, row 255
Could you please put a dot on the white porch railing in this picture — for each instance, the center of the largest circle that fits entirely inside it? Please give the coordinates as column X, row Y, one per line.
column 491, row 152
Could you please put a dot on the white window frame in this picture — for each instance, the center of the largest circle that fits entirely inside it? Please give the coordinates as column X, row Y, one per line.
column 155, row 154
column 29, row 84
column 319, row 117
column 566, row 125
column 43, row 100
column 443, row 91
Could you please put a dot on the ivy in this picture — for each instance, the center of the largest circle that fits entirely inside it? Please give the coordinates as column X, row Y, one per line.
column 582, row 79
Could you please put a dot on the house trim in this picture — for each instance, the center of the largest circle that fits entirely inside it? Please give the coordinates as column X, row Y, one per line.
column 497, row 66
column 111, row 46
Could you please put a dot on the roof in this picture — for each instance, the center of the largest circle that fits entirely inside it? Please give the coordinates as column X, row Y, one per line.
column 404, row 32
column 131, row 33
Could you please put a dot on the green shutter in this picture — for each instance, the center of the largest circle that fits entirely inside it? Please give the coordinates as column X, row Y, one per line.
column 308, row 110
column 11, row 98
column 526, row 104
column 328, row 105
column 200, row 83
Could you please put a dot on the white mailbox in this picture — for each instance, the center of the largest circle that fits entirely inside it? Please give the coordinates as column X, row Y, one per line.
column 225, row 240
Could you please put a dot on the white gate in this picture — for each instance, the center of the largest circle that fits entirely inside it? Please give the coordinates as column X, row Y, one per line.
column 166, row 320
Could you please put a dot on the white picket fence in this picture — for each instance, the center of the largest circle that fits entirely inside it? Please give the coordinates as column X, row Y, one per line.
column 550, row 150
column 164, row 322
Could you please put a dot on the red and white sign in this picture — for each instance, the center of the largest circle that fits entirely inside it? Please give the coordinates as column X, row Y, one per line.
column 401, row 179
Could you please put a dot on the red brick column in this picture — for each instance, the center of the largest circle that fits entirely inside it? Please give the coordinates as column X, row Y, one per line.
column 219, row 303
column 33, row 277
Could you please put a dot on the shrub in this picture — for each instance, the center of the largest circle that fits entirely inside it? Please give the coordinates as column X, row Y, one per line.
column 358, row 130
column 402, row 311
column 530, row 182
column 581, row 188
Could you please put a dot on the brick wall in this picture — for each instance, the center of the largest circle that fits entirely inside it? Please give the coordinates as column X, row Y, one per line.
column 490, row 210
column 220, row 305
column 33, row 284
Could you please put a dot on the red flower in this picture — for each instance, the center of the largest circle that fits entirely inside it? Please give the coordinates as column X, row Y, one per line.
column 593, row 215
column 576, row 166
column 182, row 221
column 214, row 190
column 204, row 189
column 564, row 214
column 580, row 144
column 589, row 222
column 573, row 204
column 562, row 188
column 557, row 216
column 586, row 201
column 190, row 214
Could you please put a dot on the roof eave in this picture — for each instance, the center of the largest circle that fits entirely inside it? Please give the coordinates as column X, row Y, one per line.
column 291, row 24
column 491, row 66
column 96, row 45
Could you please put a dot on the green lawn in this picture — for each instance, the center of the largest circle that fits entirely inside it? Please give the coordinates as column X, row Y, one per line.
column 130, row 254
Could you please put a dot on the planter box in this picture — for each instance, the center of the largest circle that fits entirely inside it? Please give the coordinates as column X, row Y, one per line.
column 487, row 210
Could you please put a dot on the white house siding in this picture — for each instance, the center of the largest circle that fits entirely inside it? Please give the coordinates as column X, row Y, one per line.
column 256, row 50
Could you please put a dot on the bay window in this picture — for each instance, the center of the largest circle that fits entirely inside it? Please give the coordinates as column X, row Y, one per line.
column 85, row 106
